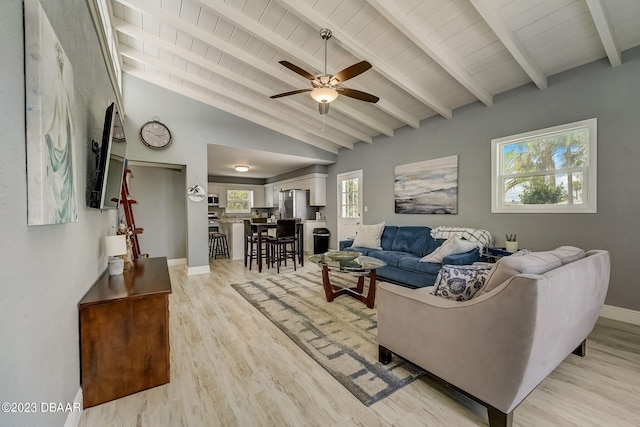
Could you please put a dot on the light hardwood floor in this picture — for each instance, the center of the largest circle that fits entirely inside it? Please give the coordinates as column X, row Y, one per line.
column 230, row 366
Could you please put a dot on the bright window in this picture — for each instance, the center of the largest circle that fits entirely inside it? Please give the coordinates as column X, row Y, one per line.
column 239, row 201
column 550, row 170
column 349, row 198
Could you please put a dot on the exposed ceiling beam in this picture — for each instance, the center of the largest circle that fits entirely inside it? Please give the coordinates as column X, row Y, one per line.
column 148, row 38
column 316, row 20
column 245, row 100
column 509, row 38
column 282, row 44
column 608, row 37
column 249, row 116
column 278, row 73
column 414, row 33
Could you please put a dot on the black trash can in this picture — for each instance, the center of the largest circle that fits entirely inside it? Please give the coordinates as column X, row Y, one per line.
column 321, row 240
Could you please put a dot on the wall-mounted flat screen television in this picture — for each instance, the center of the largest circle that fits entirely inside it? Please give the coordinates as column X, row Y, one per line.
column 111, row 159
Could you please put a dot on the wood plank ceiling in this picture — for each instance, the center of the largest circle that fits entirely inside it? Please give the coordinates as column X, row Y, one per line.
column 429, row 57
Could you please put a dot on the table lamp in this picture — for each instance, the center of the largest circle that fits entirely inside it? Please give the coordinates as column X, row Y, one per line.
column 115, row 247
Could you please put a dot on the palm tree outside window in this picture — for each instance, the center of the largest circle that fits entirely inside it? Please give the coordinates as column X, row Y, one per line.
column 545, row 171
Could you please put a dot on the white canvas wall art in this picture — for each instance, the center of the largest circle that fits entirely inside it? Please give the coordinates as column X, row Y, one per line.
column 427, row 187
column 50, row 132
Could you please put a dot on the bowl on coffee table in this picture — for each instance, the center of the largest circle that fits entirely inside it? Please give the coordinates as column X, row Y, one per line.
column 343, row 256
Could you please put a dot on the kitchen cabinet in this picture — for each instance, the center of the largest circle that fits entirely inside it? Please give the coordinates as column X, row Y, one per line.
column 234, row 230
column 318, row 193
column 258, row 197
column 268, row 196
column 222, row 196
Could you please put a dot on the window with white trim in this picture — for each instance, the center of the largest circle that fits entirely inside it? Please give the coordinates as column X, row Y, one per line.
column 551, row 170
column 239, row 201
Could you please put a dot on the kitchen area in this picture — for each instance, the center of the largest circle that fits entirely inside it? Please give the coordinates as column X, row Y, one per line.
column 230, row 203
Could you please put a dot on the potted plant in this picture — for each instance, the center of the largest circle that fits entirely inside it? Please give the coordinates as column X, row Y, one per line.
column 512, row 244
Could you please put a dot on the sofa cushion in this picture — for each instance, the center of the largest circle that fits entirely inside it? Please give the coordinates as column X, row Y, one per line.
column 368, row 236
column 412, row 263
column 389, row 233
column 411, row 239
column 391, row 257
column 454, row 245
column 568, row 254
column 461, row 282
column 509, row 266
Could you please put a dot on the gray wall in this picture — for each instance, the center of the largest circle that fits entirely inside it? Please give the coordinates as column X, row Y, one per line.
column 193, row 126
column 161, row 210
column 45, row 270
column 594, row 90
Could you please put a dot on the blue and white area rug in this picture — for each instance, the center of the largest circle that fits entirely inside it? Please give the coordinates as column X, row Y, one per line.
column 341, row 336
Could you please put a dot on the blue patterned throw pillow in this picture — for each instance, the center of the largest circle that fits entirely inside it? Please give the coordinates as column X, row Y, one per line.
column 461, row 282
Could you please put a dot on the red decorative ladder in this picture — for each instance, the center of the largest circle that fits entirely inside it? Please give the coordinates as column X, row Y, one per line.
column 126, row 202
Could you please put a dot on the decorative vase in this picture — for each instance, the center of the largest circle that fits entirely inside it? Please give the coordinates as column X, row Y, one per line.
column 511, row 247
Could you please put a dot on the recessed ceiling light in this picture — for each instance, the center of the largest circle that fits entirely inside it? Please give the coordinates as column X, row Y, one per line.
column 241, row 168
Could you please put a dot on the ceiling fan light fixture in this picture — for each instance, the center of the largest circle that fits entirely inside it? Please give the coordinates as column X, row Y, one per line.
column 324, row 94
column 241, row 168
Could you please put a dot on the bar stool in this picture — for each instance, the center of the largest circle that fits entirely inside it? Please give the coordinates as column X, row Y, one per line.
column 218, row 244
column 251, row 239
column 277, row 245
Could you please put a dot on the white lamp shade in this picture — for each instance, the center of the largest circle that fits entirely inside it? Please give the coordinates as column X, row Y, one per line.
column 115, row 245
column 324, row 94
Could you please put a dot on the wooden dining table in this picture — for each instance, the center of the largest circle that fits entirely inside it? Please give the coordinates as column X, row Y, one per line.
column 263, row 227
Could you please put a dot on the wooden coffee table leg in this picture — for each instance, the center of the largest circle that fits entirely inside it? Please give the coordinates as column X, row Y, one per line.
column 360, row 286
column 328, row 290
column 371, row 296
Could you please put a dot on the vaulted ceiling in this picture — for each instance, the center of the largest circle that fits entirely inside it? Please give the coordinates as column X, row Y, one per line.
column 428, row 57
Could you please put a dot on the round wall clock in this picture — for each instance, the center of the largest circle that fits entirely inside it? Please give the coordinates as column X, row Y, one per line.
column 155, row 134
column 196, row 193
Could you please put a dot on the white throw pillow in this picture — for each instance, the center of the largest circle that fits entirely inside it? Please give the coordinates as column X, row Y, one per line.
column 368, row 236
column 454, row 245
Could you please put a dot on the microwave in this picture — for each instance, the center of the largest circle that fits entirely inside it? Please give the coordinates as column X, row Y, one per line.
column 213, row 200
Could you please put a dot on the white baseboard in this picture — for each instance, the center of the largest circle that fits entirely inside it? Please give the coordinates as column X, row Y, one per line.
column 176, row 261
column 73, row 418
column 201, row 269
column 621, row 314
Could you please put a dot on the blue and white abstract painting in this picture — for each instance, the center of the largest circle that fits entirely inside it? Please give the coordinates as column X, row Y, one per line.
column 51, row 186
column 428, row 187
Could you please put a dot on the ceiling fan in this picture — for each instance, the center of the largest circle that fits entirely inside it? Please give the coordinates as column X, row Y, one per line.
column 326, row 86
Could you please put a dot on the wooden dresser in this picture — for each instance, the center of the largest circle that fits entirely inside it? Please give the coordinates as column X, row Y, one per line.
column 124, row 332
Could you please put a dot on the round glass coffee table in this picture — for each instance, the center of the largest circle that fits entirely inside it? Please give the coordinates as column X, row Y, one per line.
column 362, row 266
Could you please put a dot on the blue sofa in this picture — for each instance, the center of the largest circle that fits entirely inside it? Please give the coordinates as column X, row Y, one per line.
column 402, row 248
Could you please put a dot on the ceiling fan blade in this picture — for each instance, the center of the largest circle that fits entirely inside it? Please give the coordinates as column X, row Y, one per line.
column 323, row 107
column 298, row 70
column 357, row 94
column 293, row 92
column 351, row 71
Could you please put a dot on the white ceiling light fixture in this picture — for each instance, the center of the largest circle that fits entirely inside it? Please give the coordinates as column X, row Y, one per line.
column 241, row 168
column 324, row 94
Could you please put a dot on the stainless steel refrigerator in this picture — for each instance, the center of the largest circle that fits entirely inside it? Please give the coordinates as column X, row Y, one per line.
column 295, row 204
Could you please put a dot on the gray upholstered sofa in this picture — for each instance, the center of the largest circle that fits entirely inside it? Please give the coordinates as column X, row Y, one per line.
column 402, row 249
column 534, row 311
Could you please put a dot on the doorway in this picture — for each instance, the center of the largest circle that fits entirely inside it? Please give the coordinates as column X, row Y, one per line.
column 349, row 203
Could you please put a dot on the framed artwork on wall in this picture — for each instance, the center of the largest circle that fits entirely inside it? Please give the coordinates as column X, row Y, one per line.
column 427, row 187
column 50, row 125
